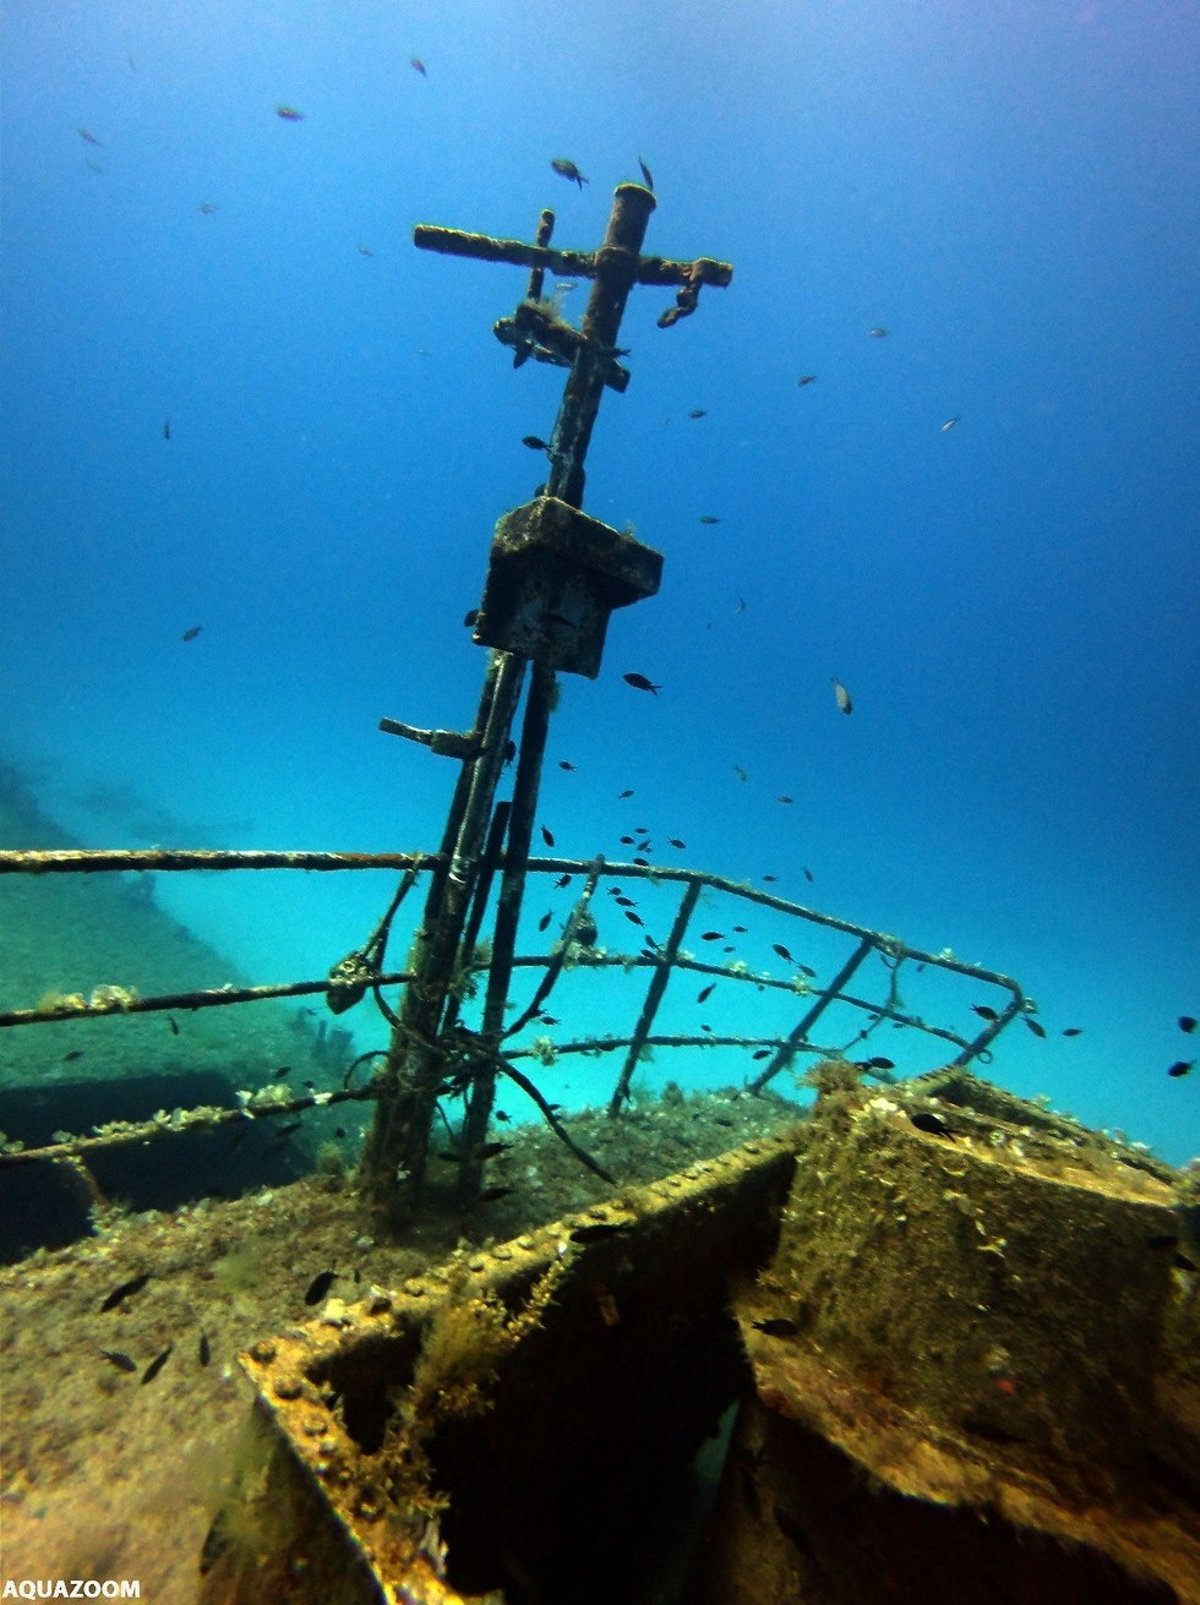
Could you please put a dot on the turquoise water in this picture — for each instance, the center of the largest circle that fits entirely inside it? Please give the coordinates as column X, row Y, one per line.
column 1010, row 602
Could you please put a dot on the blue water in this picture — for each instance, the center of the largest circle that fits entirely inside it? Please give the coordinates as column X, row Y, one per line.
column 1011, row 191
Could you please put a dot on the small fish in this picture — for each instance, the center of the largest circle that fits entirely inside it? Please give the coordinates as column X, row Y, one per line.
column 126, row 1290
column 633, row 917
column 878, row 332
column 643, row 862
column 545, row 920
column 926, row 1120
column 87, row 135
column 627, row 841
column 808, row 874
column 713, row 936
column 844, row 702
column 1187, row 1024
column 563, row 880
column 340, row 1132
column 1037, row 1029
column 741, row 606
column 639, row 682
column 174, row 1024
column 120, row 1359
column 625, row 902
column 646, row 846
column 984, row 1011
column 1072, row 1031
column 207, row 208
column 880, row 1063
column 621, row 795
column 676, row 842
column 776, row 1326
column 769, row 878
column 284, row 1070
column 709, row 518
column 503, row 1116
column 698, row 412
column 470, row 618
column 707, row 1028
column 705, row 992
column 1180, row 1067
column 742, row 775
column 535, row 443
column 740, row 930
column 547, row 837
column 166, row 429
column 548, row 1019
column 948, row 425
column 75, row 1053
column 762, row 1053
column 205, row 1353
column 564, row 763
column 646, row 174
column 567, row 169
column 489, row 1150
column 778, row 947
column 807, row 970
column 510, row 752
column 598, row 1232
column 364, row 250
column 289, row 114
column 418, row 65
column 319, row 1286
column 785, row 799
column 807, row 379
column 190, row 635
column 156, row 1365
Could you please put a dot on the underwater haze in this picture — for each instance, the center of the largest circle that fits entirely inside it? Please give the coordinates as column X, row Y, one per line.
column 254, row 445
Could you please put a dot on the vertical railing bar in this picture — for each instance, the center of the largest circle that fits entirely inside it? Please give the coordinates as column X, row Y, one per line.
column 654, row 995
column 829, row 995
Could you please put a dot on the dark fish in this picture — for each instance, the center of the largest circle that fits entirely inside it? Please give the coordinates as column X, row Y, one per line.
column 808, row 874
column 535, row 443
column 807, row 970
column 1072, row 1031
column 707, row 1028
column 569, row 767
column 1037, row 1029
column 365, row 250
column 174, row 1024
column 740, row 930
column 776, row 1326
column 643, row 862
column 566, row 168
column 563, row 880
column 166, row 429
column 340, row 1132
column 646, row 174
column 639, row 682
column 489, row 1150
column 674, row 841
column 807, row 379
column 545, row 920
column 598, row 1232
column 713, row 936
column 489, row 1195
column 126, row 1290
column 633, row 918
column 878, row 332
column 547, row 837
column 984, row 1011
column 418, row 65
column 880, row 1063
column 120, row 1359
column 709, row 518
column 698, row 412
column 510, row 752
column 770, row 877
column 86, row 134
column 926, row 1120
column 1180, row 1067
column 548, row 1019
column 625, row 902
column 1187, row 1024
column 289, row 114
column 784, row 798
column 190, row 635
column 75, row 1053
column 205, row 1352
column 621, row 795
column 843, row 696
column 762, row 1053
column 501, row 1115
column 319, row 1286
column 627, row 841
column 156, row 1365
column 742, row 776
column 705, row 992
column 778, row 947
column 284, row 1070
column 948, row 425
